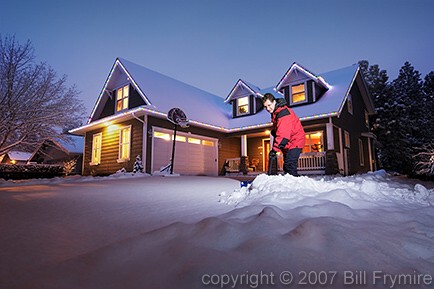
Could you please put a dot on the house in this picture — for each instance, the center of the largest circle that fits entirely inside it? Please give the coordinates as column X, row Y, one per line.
column 130, row 119
column 15, row 157
column 54, row 152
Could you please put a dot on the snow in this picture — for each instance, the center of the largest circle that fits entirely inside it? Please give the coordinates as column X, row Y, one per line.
column 141, row 231
column 19, row 155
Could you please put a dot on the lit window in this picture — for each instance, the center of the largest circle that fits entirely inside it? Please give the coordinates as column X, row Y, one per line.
column 347, row 139
column 298, row 93
column 361, row 154
column 180, row 138
column 208, row 143
column 124, row 143
column 122, row 98
column 242, row 105
column 96, row 149
column 350, row 103
column 314, row 142
column 193, row 140
column 162, row 135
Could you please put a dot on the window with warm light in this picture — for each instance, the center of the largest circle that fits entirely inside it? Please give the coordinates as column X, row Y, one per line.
column 162, row 135
column 298, row 93
column 96, row 149
column 243, row 105
column 193, row 140
column 122, row 98
column 347, row 139
column 124, row 143
column 208, row 143
column 314, row 142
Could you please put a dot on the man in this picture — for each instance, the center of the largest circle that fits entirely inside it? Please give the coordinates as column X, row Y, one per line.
column 289, row 135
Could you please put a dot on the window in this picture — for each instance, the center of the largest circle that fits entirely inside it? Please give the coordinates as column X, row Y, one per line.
column 350, row 103
column 361, row 154
column 193, row 140
column 314, row 142
column 96, row 149
column 208, row 143
column 242, row 105
column 124, row 143
column 298, row 93
column 366, row 119
column 347, row 139
column 122, row 98
column 162, row 135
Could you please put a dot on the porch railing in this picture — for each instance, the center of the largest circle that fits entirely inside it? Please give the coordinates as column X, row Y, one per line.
column 312, row 161
column 315, row 162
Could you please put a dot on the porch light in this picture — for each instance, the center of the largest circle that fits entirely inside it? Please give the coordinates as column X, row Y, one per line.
column 267, row 132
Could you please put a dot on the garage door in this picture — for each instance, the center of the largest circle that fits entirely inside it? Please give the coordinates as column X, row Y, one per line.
column 194, row 154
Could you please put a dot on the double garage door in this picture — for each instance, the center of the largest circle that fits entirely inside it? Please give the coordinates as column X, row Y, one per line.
column 194, row 154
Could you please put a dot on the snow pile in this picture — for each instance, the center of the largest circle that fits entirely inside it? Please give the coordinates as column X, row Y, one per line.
column 374, row 189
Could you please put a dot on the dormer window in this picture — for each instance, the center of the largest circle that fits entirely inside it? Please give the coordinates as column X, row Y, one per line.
column 298, row 93
column 122, row 98
column 243, row 105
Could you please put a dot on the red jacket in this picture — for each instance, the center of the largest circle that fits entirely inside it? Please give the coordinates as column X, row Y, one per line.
column 287, row 128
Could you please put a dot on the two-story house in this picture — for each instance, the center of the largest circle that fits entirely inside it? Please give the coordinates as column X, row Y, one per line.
column 130, row 119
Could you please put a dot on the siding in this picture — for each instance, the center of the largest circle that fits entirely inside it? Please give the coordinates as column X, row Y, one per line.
column 110, row 149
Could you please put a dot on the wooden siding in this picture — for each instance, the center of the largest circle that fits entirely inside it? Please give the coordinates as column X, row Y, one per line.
column 228, row 148
column 110, row 149
column 355, row 125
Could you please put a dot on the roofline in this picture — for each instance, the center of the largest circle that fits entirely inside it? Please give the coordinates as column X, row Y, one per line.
column 146, row 110
column 117, row 62
column 228, row 98
column 310, row 74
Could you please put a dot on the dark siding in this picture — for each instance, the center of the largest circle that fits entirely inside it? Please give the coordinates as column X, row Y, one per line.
column 229, row 148
column 135, row 99
column 309, row 91
column 110, row 149
column 109, row 107
column 251, row 104
column 259, row 104
column 355, row 125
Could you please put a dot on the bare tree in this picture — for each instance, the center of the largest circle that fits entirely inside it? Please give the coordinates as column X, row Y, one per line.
column 35, row 104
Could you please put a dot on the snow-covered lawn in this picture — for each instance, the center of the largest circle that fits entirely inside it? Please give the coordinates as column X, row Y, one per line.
column 367, row 231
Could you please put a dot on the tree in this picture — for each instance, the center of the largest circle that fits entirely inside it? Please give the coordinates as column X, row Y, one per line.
column 34, row 103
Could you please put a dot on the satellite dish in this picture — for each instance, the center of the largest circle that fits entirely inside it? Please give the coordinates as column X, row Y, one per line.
column 177, row 117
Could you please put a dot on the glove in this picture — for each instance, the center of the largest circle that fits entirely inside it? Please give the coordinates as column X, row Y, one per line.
column 272, row 154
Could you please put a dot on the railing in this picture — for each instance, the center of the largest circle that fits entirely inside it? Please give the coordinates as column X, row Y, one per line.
column 312, row 161
column 232, row 165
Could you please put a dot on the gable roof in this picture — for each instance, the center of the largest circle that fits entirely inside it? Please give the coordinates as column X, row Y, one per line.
column 19, row 155
column 161, row 93
column 240, row 87
column 294, row 69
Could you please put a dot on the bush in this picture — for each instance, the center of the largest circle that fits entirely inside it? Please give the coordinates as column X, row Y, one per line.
column 30, row 171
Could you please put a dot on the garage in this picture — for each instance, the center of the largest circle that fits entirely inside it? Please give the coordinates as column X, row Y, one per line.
column 194, row 154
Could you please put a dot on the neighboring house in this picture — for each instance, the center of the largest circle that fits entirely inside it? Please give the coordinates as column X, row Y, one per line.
column 129, row 119
column 15, row 157
column 57, row 152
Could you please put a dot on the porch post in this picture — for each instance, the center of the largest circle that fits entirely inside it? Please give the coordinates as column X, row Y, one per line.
column 330, row 136
column 244, row 160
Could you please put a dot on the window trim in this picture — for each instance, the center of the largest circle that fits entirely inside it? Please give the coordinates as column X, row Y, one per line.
column 123, row 98
column 93, row 149
column 347, row 139
column 361, row 153
column 238, row 106
column 291, row 102
column 121, row 144
column 322, row 149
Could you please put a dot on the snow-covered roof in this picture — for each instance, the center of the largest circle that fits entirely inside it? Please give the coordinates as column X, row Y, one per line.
column 19, row 156
column 161, row 93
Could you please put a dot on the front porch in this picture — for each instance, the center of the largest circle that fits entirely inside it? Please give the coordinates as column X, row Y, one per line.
column 308, row 163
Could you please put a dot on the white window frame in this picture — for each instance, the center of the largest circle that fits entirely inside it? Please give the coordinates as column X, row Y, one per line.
column 238, row 105
column 122, row 144
column 123, row 99
column 305, row 92
column 350, row 104
column 361, row 153
column 96, row 150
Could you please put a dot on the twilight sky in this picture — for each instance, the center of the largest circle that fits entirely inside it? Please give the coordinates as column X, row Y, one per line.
column 212, row 43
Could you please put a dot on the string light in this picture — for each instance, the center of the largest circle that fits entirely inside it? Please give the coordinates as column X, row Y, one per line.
column 305, row 71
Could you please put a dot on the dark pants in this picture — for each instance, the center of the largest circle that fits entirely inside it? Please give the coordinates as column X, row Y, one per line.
column 290, row 161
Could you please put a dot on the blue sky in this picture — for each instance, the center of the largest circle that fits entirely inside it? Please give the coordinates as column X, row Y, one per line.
column 212, row 43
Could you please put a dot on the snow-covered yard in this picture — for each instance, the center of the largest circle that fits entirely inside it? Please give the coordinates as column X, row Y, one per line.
column 368, row 231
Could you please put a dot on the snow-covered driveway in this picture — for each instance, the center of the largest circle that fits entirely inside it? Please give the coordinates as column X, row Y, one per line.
column 367, row 231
